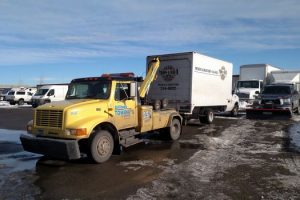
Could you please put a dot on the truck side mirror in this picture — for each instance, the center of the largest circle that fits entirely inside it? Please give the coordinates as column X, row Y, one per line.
column 133, row 90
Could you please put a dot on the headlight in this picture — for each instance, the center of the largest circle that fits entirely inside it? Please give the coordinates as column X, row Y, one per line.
column 30, row 126
column 285, row 101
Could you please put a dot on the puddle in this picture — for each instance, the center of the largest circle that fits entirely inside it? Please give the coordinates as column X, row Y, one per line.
column 10, row 136
column 12, row 156
column 294, row 135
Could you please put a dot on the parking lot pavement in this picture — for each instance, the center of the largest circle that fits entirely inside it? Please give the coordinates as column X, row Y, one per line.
column 15, row 118
column 234, row 158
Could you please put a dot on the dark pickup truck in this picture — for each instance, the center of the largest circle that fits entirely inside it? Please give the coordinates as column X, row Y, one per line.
column 276, row 99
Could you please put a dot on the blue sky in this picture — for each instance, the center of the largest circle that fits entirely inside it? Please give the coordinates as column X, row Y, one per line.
column 56, row 41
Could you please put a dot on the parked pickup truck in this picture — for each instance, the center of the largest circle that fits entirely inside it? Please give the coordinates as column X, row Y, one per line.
column 280, row 98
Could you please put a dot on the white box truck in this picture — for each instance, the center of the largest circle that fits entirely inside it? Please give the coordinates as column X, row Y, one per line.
column 252, row 79
column 287, row 77
column 196, row 85
column 49, row 93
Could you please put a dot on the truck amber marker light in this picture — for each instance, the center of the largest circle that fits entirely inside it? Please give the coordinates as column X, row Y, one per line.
column 77, row 132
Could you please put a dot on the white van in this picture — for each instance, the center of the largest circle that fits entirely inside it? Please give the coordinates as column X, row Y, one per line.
column 20, row 95
column 49, row 93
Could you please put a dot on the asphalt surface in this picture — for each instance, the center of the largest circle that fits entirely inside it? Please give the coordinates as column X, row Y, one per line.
column 15, row 118
column 234, row 158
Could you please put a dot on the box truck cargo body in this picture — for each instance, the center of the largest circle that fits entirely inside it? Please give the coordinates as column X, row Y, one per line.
column 252, row 79
column 287, row 77
column 194, row 84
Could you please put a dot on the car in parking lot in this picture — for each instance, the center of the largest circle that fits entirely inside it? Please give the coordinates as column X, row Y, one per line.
column 279, row 98
column 4, row 93
column 19, row 96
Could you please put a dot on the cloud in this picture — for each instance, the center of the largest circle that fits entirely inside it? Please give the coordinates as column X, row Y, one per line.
column 53, row 31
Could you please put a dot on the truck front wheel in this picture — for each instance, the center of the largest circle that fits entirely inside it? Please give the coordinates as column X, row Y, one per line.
column 101, row 146
column 235, row 111
column 175, row 129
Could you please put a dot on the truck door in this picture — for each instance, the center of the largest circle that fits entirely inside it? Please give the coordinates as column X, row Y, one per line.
column 51, row 94
column 125, row 108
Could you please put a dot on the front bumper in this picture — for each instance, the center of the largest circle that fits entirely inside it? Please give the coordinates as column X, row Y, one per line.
column 245, row 103
column 56, row 148
column 37, row 102
column 280, row 111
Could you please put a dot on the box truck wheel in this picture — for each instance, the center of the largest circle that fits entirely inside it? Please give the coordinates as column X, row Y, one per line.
column 208, row 117
column 101, row 146
column 156, row 104
column 164, row 103
column 175, row 129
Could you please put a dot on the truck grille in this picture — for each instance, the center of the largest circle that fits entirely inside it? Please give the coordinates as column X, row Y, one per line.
column 242, row 95
column 49, row 118
column 270, row 101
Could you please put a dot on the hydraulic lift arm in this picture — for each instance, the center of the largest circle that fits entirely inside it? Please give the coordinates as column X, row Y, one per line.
column 150, row 77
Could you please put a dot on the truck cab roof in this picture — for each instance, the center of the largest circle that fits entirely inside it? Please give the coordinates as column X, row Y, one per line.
column 110, row 77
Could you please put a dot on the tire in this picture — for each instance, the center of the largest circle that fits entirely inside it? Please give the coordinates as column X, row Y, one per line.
column 21, row 102
column 156, row 104
column 164, row 103
column 208, row 118
column 235, row 111
column 12, row 103
column 34, row 105
column 174, row 131
column 101, row 146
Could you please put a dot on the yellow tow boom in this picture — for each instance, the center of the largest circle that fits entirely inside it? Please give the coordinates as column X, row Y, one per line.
column 150, row 77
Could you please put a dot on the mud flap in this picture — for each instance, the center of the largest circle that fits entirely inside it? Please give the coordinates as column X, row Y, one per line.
column 56, row 148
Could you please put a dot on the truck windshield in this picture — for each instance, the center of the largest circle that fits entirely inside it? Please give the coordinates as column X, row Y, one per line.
column 89, row 90
column 277, row 90
column 248, row 84
column 41, row 92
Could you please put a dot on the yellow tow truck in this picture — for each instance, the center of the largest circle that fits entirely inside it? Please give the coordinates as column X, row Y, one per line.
column 99, row 117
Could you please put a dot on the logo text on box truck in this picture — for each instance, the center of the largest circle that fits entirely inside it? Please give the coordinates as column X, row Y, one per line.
column 222, row 72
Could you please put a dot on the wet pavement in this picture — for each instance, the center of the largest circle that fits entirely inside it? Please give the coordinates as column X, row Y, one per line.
column 234, row 158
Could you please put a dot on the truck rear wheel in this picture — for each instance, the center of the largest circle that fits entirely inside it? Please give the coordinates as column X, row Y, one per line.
column 175, row 129
column 208, row 117
column 101, row 146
